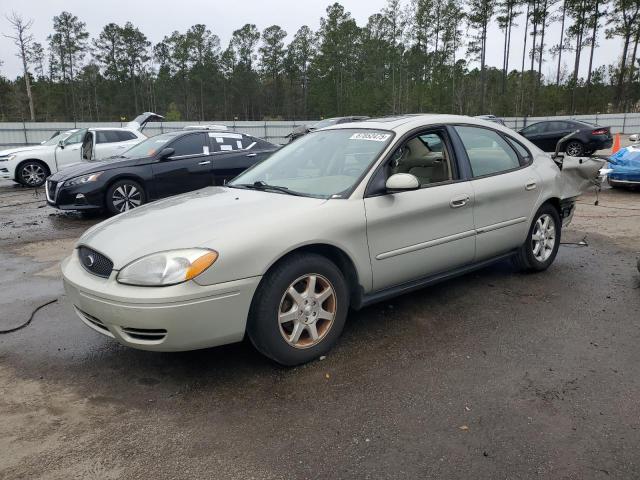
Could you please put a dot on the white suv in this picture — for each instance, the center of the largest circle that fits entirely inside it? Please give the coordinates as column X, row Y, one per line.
column 31, row 165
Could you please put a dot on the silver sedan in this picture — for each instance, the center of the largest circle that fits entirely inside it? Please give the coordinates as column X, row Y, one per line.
column 341, row 218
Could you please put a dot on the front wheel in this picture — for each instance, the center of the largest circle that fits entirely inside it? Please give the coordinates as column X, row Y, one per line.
column 124, row 195
column 543, row 240
column 299, row 309
column 32, row 173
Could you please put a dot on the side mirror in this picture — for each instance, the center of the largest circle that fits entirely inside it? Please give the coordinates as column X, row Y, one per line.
column 634, row 138
column 399, row 182
column 61, row 143
column 166, row 153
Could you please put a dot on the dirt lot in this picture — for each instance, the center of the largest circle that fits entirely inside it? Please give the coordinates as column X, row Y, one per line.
column 492, row 375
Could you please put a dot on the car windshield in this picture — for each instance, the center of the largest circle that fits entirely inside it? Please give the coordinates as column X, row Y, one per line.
column 325, row 123
column 64, row 136
column 322, row 164
column 150, row 146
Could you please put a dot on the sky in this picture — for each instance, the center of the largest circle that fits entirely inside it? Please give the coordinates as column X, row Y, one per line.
column 159, row 18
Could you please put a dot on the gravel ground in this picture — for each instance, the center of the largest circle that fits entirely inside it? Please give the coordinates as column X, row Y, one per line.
column 493, row 375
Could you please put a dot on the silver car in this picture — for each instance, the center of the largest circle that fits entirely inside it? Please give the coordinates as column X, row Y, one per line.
column 341, row 218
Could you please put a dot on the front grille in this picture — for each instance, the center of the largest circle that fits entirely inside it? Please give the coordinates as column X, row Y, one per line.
column 95, row 262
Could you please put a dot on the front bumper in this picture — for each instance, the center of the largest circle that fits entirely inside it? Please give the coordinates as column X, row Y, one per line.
column 181, row 317
column 79, row 197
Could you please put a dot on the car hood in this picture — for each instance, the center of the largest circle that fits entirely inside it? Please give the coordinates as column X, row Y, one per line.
column 205, row 218
column 11, row 151
column 87, row 167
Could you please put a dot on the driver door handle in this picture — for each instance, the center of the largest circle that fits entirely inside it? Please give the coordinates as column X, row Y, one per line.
column 531, row 185
column 204, row 162
column 251, row 154
column 460, row 201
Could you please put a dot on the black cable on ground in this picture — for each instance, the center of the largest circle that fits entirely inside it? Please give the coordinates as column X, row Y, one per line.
column 19, row 327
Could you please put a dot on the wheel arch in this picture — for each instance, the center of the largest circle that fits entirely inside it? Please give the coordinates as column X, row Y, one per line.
column 339, row 257
column 124, row 176
column 39, row 160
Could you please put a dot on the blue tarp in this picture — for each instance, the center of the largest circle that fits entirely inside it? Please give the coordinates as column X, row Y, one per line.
column 625, row 164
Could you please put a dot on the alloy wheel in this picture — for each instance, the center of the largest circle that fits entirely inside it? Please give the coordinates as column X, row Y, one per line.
column 126, row 197
column 543, row 239
column 33, row 174
column 307, row 311
column 574, row 149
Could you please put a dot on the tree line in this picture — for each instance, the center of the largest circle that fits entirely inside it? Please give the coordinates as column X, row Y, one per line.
column 412, row 56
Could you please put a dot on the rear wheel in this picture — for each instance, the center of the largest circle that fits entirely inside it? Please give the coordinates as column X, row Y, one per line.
column 124, row 195
column 299, row 309
column 543, row 240
column 575, row 149
column 32, row 173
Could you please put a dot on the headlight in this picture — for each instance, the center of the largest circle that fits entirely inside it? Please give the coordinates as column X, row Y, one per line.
column 91, row 177
column 7, row 158
column 167, row 268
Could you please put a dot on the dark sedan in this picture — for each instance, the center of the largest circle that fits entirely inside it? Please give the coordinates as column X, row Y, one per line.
column 588, row 138
column 158, row 167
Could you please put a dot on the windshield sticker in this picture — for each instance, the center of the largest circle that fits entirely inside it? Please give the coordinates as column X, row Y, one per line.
column 205, row 149
column 239, row 144
column 374, row 137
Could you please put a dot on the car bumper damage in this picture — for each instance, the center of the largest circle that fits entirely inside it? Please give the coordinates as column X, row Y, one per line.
column 187, row 316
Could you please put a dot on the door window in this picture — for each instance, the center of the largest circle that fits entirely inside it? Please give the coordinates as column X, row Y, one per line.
column 189, row 145
column 425, row 157
column 534, row 129
column 227, row 142
column 488, row 152
column 107, row 136
column 123, row 136
column 525, row 155
column 76, row 137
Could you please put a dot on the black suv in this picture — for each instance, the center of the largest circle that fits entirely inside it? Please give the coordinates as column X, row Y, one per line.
column 161, row 166
column 587, row 139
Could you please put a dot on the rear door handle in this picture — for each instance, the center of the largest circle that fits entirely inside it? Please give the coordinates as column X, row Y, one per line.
column 457, row 202
column 205, row 162
column 251, row 154
column 531, row 185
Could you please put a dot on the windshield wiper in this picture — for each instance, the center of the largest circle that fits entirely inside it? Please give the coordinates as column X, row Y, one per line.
column 264, row 186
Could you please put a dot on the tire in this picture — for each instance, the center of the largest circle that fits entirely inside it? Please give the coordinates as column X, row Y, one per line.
column 537, row 255
column 32, row 173
column 281, row 326
column 124, row 195
column 575, row 149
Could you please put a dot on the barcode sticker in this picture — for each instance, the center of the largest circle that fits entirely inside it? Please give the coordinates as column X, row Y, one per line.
column 374, row 137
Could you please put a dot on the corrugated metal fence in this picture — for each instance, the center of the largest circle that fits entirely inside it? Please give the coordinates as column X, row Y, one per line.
column 19, row 133
column 27, row 133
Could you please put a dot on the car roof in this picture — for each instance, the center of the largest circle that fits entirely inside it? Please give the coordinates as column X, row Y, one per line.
column 404, row 123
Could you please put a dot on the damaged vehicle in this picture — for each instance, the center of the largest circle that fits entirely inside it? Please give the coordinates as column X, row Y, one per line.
column 624, row 168
column 342, row 218
column 31, row 165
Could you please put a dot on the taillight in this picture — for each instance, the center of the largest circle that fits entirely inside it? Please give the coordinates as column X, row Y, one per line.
column 600, row 131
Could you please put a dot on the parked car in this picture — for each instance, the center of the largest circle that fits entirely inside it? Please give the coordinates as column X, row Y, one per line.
column 161, row 166
column 31, row 165
column 328, row 122
column 624, row 168
column 589, row 138
column 491, row 118
column 344, row 217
